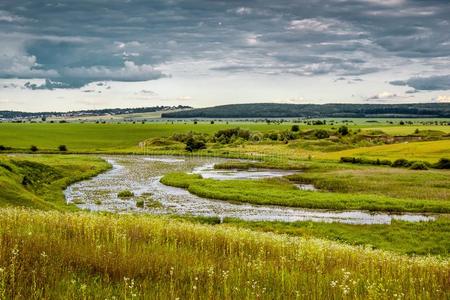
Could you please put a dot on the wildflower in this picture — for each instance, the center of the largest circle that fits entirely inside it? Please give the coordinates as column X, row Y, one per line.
column 333, row 283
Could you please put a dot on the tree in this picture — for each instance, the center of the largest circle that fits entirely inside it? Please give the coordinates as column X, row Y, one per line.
column 295, row 128
column 62, row 148
column 34, row 148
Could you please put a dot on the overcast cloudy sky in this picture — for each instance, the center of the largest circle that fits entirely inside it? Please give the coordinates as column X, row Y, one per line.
column 85, row 54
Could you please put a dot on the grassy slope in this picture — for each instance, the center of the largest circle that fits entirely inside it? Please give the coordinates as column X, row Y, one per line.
column 45, row 178
column 81, row 255
column 279, row 192
column 430, row 151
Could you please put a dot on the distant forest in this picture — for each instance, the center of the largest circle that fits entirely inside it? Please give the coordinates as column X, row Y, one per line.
column 274, row 110
column 93, row 112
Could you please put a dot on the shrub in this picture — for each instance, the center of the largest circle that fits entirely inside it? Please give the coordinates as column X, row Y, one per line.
column 34, row 148
column 343, row 130
column 295, row 128
column 419, row 165
column 321, row 134
column 140, row 203
column 385, row 162
column 125, row 194
column 226, row 136
column 62, row 148
column 192, row 145
column 401, row 163
column 443, row 163
column 347, row 159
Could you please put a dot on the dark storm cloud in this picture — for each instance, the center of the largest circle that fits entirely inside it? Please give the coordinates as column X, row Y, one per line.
column 71, row 43
column 432, row 83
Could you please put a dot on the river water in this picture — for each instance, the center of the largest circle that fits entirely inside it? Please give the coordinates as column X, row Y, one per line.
column 141, row 175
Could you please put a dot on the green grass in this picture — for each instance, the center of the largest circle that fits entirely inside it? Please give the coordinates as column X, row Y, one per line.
column 280, row 192
column 387, row 181
column 55, row 255
column 113, row 137
column 421, row 238
column 93, row 137
column 38, row 181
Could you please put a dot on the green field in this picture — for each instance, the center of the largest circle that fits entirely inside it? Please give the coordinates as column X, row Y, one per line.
column 92, row 137
column 52, row 250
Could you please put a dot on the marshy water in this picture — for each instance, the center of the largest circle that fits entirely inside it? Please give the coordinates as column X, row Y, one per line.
column 141, row 175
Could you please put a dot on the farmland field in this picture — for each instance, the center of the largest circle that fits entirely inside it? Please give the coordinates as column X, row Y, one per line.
column 294, row 221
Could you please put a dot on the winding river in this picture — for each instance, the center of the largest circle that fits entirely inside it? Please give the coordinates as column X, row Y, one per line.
column 141, row 175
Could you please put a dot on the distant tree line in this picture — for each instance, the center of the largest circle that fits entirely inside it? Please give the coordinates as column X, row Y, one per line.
column 6, row 114
column 275, row 110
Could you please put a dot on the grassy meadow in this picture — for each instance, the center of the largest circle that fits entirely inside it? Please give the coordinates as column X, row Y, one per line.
column 52, row 250
column 90, row 256
column 125, row 138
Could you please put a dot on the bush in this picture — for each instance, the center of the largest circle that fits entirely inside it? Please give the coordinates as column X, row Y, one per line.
column 358, row 160
column 343, row 130
column 347, row 159
column 295, row 128
column 125, row 194
column 34, row 148
column 62, row 148
column 192, row 145
column 401, row 163
column 385, row 162
column 321, row 134
column 140, row 203
column 443, row 163
column 226, row 136
column 419, row 165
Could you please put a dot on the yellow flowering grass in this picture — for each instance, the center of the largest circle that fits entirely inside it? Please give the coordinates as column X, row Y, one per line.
column 54, row 255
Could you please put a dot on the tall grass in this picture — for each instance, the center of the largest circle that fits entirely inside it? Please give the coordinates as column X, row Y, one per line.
column 92, row 256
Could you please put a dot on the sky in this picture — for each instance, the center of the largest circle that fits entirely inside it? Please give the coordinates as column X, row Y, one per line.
column 91, row 54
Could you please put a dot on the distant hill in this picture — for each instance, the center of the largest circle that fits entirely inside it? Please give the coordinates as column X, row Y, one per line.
column 275, row 110
column 6, row 114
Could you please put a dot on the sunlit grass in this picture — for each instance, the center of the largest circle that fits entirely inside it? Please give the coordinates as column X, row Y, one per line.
column 81, row 255
column 38, row 180
column 278, row 192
